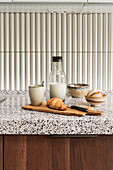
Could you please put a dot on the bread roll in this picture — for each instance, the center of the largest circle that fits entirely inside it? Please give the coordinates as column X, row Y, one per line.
column 95, row 93
column 56, row 103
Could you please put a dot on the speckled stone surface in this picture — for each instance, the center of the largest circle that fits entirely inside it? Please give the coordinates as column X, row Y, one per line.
column 15, row 120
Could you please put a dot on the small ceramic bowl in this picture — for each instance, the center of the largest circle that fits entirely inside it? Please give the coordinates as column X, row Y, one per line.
column 78, row 90
column 96, row 101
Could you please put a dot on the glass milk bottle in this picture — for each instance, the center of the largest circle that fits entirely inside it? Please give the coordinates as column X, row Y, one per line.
column 57, row 79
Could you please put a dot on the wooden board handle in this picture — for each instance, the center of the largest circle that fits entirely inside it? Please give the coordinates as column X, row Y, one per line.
column 95, row 113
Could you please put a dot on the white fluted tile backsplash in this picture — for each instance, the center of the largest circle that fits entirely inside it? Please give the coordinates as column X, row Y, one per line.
column 29, row 40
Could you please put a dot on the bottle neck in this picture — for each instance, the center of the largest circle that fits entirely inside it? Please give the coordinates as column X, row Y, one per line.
column 57, row 66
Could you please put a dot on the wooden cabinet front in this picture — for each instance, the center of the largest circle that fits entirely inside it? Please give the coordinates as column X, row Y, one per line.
column 1, row 153
column 58, row 153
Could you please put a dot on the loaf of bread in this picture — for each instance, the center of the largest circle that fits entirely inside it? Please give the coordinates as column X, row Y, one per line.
column 56, row 103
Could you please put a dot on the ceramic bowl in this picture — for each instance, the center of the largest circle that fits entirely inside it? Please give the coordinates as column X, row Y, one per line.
column 78, row 90
column 96, row 101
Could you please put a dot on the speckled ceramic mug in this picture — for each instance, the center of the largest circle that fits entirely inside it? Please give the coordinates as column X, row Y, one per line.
column 36, row 93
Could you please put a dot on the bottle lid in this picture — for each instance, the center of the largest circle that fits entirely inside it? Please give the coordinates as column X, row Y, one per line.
column 57, row 58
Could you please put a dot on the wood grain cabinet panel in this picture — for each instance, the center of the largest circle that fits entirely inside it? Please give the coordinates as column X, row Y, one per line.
column 60, row 153
column 85, row 154
column 38, row 153
column 106, row 152
column 27, row 152
column 57, row 153
column 1, row 153
column 15, row 149
column 92, row 153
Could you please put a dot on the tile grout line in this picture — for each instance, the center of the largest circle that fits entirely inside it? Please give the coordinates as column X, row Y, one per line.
column 55, row 51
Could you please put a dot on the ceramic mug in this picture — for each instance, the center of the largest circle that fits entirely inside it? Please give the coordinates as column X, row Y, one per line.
column 36, row 93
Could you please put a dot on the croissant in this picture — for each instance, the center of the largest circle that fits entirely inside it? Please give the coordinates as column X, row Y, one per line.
column 56, row 103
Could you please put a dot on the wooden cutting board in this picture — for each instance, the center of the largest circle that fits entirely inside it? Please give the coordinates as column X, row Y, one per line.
column 69, row 111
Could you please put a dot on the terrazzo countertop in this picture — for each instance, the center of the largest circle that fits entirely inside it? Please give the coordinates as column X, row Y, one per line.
column 15, row 120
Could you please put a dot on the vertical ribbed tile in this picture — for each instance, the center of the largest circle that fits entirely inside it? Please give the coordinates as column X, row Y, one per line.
column 63, row 40
column 12, row 54
column 1, row 71
column 110, row 57
column 84, row 47
column 11, row 31
column 17, row 32
column 27, row 30
column 69, row 48
column 17, row 49
column 105, row 50
column 89, row 49
column 6, row 33
column 90, row 35
column 53, row 34
column 32, row 41
column 6, row 72
column 1, row 32
column 74, row 33
column 94, row 44
column 22, row 48
column 48, row 22
column 22, row 31
column 43, row 46
column 58, row 29
column 1, row 50
column 27, row 40
column 48, row 62
column 99, row 49
column 38, row 55
column 79, row 38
